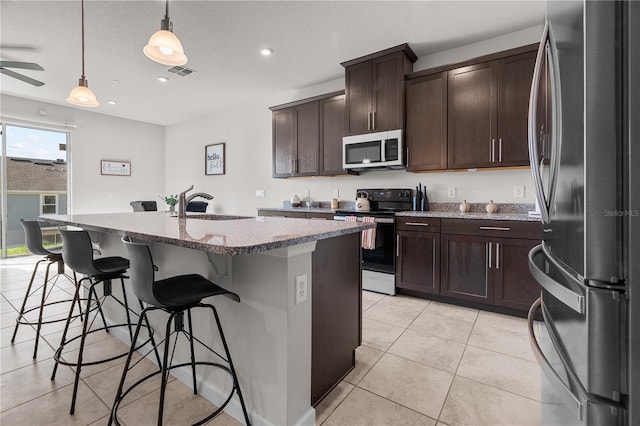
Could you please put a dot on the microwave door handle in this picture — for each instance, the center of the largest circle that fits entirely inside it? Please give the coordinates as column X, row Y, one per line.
column 533, row 146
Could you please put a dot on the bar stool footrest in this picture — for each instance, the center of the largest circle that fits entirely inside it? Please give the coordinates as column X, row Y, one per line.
column 58, row 354
column 114, row 409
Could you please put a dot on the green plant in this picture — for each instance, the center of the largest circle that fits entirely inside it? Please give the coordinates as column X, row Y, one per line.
column 171, row 200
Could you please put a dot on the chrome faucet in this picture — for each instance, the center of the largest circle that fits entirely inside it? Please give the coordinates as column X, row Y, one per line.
column 184, row 200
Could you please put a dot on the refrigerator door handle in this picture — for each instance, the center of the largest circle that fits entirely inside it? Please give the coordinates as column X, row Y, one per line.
column 545, row 365
column 572, row 299
column 533, row 147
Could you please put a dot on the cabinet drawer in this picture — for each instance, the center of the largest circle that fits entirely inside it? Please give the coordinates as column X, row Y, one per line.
column 493, row 228
column 417, row 224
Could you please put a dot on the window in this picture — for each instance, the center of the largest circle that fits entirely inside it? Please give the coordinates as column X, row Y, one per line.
column 48, row 204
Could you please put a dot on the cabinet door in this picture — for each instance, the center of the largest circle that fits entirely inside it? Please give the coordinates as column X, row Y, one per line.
column 472, row 116
column 514, row 285
column 388, row 93
column 284, row 142
column 426, row 129
column 465, row 271
column 358, row 98
column 418, row 261
column 307, row 139
column 331, row 133
column 514, row 86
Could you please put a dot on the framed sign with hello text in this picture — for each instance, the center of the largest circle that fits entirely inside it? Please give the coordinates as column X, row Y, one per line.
column 214, row 159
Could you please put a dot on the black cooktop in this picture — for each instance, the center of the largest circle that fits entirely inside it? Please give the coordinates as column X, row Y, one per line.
column 384, row 202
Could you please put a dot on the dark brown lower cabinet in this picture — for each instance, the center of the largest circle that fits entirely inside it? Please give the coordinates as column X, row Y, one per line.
column 481, row 262
column 418, row 254
column 514, row 286
column 335, row 312
column 465, row 270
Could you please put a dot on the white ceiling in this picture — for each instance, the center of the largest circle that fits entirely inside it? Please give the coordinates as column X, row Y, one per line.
column 221, row 40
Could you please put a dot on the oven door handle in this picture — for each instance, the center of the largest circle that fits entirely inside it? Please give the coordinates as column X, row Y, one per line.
column 377, row 219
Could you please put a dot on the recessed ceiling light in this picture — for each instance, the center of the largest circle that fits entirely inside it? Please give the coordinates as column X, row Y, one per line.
column 163, row 79
column 265, row 51
column 112, row 102
column 115, row 81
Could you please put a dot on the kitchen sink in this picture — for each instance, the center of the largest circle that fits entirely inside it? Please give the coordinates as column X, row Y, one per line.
column 217, row 217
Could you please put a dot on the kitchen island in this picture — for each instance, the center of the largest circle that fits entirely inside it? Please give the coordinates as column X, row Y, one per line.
column 291, row 344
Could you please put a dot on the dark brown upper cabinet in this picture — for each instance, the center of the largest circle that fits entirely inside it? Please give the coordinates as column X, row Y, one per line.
column 331, row 133
column 426, row 122
column 307, row 136
column 374, row 88
column 487, row 113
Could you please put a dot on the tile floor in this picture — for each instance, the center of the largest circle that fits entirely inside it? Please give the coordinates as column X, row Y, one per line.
column 421, row 363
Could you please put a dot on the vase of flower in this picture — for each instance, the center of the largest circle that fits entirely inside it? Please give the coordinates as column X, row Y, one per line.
column 171, row 201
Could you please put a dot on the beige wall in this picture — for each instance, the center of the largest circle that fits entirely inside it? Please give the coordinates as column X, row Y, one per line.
column 101, row 137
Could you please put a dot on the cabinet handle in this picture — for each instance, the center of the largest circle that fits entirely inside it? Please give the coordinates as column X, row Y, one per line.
column 369, row 120
column 493, row 150
column 500, row 150
column 408, row 151
column 416, row 224
column 489, row 256
column 373, row 122
column 397, row 245
column 490, row 144
column 497, row 255
column 495, row 228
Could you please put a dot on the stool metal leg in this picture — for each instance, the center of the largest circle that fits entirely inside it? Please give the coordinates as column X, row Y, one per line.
column 193, row 356
column 83, row 337
column 165, row 367
column 236, row 384
column 26, row 296
column 42, row 302
column 76, row 298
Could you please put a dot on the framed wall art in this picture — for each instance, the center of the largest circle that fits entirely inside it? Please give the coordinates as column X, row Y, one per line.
column 214, row 159
column 115, row 168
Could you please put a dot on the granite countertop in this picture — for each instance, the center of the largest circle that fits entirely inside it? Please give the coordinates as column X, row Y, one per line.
column 521, row 217
column 298, row 209
column 221, row 234
column 506, row 211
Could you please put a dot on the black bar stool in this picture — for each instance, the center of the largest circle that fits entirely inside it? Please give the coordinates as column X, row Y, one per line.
column 33, row 239
column 77, row 253
column 175, row 295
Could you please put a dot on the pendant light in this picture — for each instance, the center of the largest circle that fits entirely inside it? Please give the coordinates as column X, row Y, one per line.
column 81, row 95
column 163, row 46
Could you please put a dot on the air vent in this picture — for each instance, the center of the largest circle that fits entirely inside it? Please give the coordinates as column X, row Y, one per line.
column 181, row 71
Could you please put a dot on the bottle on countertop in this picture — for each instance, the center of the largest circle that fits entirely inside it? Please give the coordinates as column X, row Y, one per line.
column 334, row 204
column 420, row 199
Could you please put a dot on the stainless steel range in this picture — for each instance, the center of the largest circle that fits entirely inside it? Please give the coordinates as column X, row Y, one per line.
column 378, row 261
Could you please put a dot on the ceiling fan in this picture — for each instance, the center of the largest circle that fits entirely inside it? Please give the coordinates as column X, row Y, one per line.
column 21, row 65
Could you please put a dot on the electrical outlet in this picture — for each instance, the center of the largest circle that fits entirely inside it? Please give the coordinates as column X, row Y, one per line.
column 451, row 192
column 518, row 191
column 259, row 193
column 336, row 193
column 301, row 288
column 306, row 193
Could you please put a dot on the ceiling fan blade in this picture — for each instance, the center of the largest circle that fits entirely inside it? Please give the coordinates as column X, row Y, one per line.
column 22, row 65
column 21, row 77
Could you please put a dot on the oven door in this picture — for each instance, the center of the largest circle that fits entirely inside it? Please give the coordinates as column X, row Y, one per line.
column 382, row 257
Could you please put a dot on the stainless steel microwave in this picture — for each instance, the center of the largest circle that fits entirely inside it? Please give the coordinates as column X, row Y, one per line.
column 373, row 150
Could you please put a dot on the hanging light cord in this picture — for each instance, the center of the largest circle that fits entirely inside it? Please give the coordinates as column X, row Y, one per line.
column 166, row 11
column 83, row 40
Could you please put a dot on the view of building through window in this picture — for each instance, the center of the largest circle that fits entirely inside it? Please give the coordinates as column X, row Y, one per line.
column 36, row 170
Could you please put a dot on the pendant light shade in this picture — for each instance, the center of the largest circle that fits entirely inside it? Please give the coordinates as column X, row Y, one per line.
column 163, row 46
column 81, row 95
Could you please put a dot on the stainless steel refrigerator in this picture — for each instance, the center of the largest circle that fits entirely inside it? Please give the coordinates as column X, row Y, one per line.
column 584, row 150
